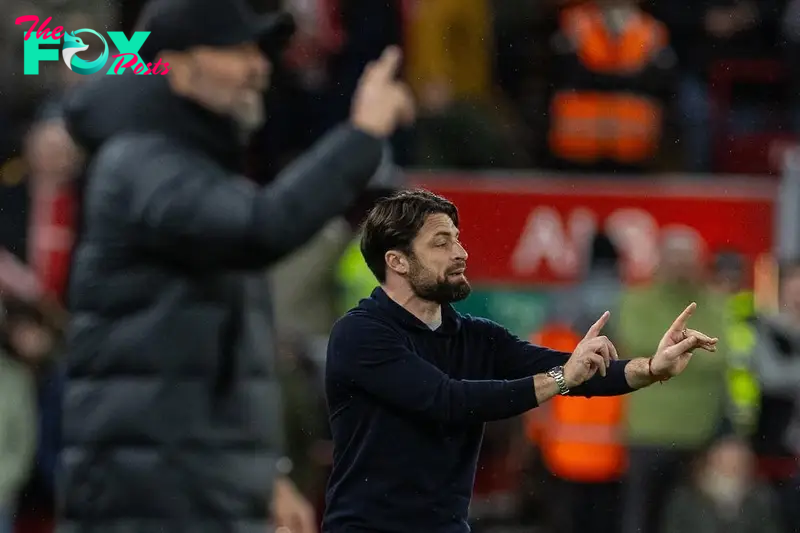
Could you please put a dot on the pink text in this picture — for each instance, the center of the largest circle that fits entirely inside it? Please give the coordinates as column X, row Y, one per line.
column 133, row 59
column 43, row 32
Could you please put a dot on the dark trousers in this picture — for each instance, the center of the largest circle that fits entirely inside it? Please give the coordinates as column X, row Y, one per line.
column 586, row 507
column 652, row 474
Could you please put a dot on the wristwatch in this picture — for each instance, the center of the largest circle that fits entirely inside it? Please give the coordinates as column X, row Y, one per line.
column 557, row 373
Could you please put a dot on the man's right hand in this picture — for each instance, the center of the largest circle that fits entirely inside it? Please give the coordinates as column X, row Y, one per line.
column 593, row 354
column 381, row 102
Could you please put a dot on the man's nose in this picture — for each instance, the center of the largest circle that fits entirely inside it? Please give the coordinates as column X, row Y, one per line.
column 461, row 252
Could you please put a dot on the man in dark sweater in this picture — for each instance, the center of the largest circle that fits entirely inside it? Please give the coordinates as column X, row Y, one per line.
column 411, row 382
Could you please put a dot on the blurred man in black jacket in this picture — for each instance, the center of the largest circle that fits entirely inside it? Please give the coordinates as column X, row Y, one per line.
column 171, row 412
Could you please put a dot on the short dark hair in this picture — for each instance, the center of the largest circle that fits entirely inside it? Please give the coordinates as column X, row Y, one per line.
column 395, row 221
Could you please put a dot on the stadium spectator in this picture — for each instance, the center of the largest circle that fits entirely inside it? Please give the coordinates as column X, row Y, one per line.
column 581, row 440
column 730, row 279
column 704, row 32
column 611, row 87
column 31, row 336
column 723, row 494
column 776, row 359
column 463, row 122
column 21, row 345
column 667, row 424
column 55, row 164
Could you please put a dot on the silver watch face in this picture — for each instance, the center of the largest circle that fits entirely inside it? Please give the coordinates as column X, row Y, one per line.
column 557, row 374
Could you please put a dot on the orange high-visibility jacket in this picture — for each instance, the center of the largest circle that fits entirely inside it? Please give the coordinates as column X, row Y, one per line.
column 579, row 438
column 590, row 125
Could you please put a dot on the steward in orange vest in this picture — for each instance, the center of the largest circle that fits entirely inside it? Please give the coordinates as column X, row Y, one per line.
column 579, row 438
column 614, row 66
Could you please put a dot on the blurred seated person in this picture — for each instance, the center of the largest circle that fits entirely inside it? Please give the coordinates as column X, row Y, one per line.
column 703, row 32
column 723, row 495
column 612, row 72
column 449, row 55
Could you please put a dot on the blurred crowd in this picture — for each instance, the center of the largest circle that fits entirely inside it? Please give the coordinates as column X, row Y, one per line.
column 604, row 86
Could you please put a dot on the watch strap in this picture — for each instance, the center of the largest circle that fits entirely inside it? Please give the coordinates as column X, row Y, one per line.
column 557, row 373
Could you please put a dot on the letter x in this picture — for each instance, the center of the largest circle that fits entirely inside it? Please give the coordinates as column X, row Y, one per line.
column 128, row 47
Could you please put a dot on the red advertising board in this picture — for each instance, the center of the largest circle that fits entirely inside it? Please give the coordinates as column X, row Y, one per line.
column 523, row 230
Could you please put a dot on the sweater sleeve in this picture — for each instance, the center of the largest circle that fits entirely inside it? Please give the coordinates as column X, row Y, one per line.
column 515, row 357
column 370, row 355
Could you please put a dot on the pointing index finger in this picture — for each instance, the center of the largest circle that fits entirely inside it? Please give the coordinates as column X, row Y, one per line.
column 683, row 318
column 594, row 331
column 388, row 64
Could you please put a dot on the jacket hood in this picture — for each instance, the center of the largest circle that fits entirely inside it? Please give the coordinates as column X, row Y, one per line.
column 108, row 106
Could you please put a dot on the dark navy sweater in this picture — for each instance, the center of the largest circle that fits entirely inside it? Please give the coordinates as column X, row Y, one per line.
column 408, row 407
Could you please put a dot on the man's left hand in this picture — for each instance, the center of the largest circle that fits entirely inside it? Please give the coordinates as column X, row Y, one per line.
column 675, row 349
column 290, row 510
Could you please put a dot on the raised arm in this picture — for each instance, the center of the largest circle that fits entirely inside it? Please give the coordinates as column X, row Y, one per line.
column 369, row 355
column 198, row 214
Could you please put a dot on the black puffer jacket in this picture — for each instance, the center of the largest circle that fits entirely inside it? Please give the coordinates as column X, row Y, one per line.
column 171, row 412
